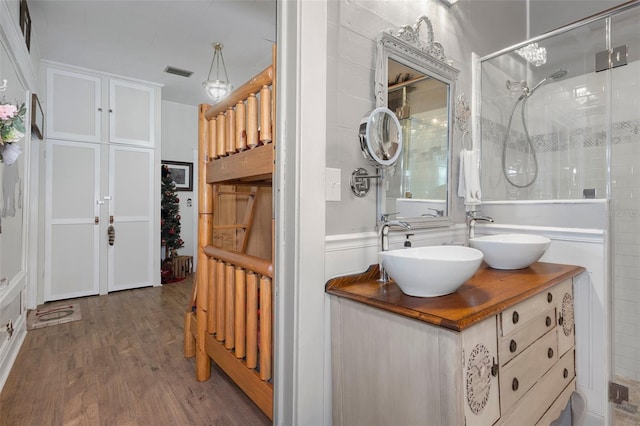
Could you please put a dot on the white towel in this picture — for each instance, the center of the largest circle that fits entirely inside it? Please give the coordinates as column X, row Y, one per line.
column 461, row 185
column 469, row 180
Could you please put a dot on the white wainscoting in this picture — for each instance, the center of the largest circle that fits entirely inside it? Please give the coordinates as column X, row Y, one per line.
column 349, row 254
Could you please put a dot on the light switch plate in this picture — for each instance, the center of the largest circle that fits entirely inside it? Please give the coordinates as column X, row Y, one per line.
column 332, row 184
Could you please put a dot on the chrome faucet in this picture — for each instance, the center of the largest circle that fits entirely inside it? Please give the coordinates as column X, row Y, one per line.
column 384, row 240
column 472, row 218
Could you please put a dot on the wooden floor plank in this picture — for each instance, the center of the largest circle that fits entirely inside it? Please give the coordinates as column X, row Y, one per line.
column 121, row 364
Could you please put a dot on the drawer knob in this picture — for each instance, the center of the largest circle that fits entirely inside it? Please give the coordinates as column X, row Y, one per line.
column 565, row 373
column 548, row 321
column 515, row 384
column 550, row 353
column 515, row 317
column 549, row 297
column 494, row 368
column 513, row 346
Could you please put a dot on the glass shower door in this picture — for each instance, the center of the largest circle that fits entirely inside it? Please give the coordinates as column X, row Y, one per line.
column 625, row 213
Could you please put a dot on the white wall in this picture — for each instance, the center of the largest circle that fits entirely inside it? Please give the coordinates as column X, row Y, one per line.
column 180, row 143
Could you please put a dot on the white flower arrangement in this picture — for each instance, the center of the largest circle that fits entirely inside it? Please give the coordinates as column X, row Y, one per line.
column 11, row 130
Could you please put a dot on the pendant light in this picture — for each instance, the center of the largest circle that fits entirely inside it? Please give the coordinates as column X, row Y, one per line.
column 217, row 89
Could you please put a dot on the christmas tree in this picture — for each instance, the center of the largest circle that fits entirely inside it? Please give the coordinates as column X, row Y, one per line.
column 170, row 216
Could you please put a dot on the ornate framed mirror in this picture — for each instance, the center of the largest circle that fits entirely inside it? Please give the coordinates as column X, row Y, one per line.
column 415, row 81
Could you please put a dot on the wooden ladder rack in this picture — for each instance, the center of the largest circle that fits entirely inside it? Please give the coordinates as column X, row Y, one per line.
column 244, row 227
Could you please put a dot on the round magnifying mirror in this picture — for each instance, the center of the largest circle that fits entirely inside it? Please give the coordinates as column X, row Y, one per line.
column 381, row 137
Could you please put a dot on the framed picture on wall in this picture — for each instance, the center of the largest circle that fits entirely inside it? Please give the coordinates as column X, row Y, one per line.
column 182, row 174
column 25, row 23
column 37, row 117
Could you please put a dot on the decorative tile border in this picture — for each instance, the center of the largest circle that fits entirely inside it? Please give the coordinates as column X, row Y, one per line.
column 588, row 137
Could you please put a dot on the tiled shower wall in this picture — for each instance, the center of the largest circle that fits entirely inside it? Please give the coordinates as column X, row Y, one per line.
column 567, row 122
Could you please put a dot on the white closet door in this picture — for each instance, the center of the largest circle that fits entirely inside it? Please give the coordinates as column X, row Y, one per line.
column 131, row 206
column 74, row 106
column 131, row 113
column 72, row 234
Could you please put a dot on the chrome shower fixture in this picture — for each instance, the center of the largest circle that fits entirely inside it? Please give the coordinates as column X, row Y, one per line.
column 526, row 93
column 556, row 75
column 517, row 86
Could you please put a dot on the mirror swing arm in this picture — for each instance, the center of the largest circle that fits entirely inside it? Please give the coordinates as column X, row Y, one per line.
column 412, row 46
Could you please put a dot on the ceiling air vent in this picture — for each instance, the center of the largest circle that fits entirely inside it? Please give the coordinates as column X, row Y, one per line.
column 177, row 71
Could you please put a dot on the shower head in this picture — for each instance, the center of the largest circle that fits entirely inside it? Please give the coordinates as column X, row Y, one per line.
column 556, row 75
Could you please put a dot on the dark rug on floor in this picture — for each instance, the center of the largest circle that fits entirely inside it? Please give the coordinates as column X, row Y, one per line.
column 53, row 314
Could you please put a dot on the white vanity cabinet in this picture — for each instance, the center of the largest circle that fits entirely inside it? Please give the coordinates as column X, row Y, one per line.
column 89, row 107
column 514, row 366
column 392, row 370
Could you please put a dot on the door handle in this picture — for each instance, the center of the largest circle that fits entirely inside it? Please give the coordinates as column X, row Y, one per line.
column 99, row 202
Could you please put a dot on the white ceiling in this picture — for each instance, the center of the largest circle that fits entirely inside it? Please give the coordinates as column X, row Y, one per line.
column 140, row 38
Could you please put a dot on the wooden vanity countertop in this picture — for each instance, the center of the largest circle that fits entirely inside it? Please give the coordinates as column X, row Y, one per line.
column 487, row 293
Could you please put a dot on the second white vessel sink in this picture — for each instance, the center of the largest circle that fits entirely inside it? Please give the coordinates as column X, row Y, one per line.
column 431, row 271
column 511, row 251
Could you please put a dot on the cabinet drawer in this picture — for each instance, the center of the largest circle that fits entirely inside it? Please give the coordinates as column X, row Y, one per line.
column 532, row 407
column 519, row 315
column 523, row 337
column 524, row 371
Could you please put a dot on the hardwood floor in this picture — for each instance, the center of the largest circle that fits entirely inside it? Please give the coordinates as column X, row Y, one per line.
column 122, row 364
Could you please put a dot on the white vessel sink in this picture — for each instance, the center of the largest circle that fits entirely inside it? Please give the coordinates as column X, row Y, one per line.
column 510, row 251
column 431, row 271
